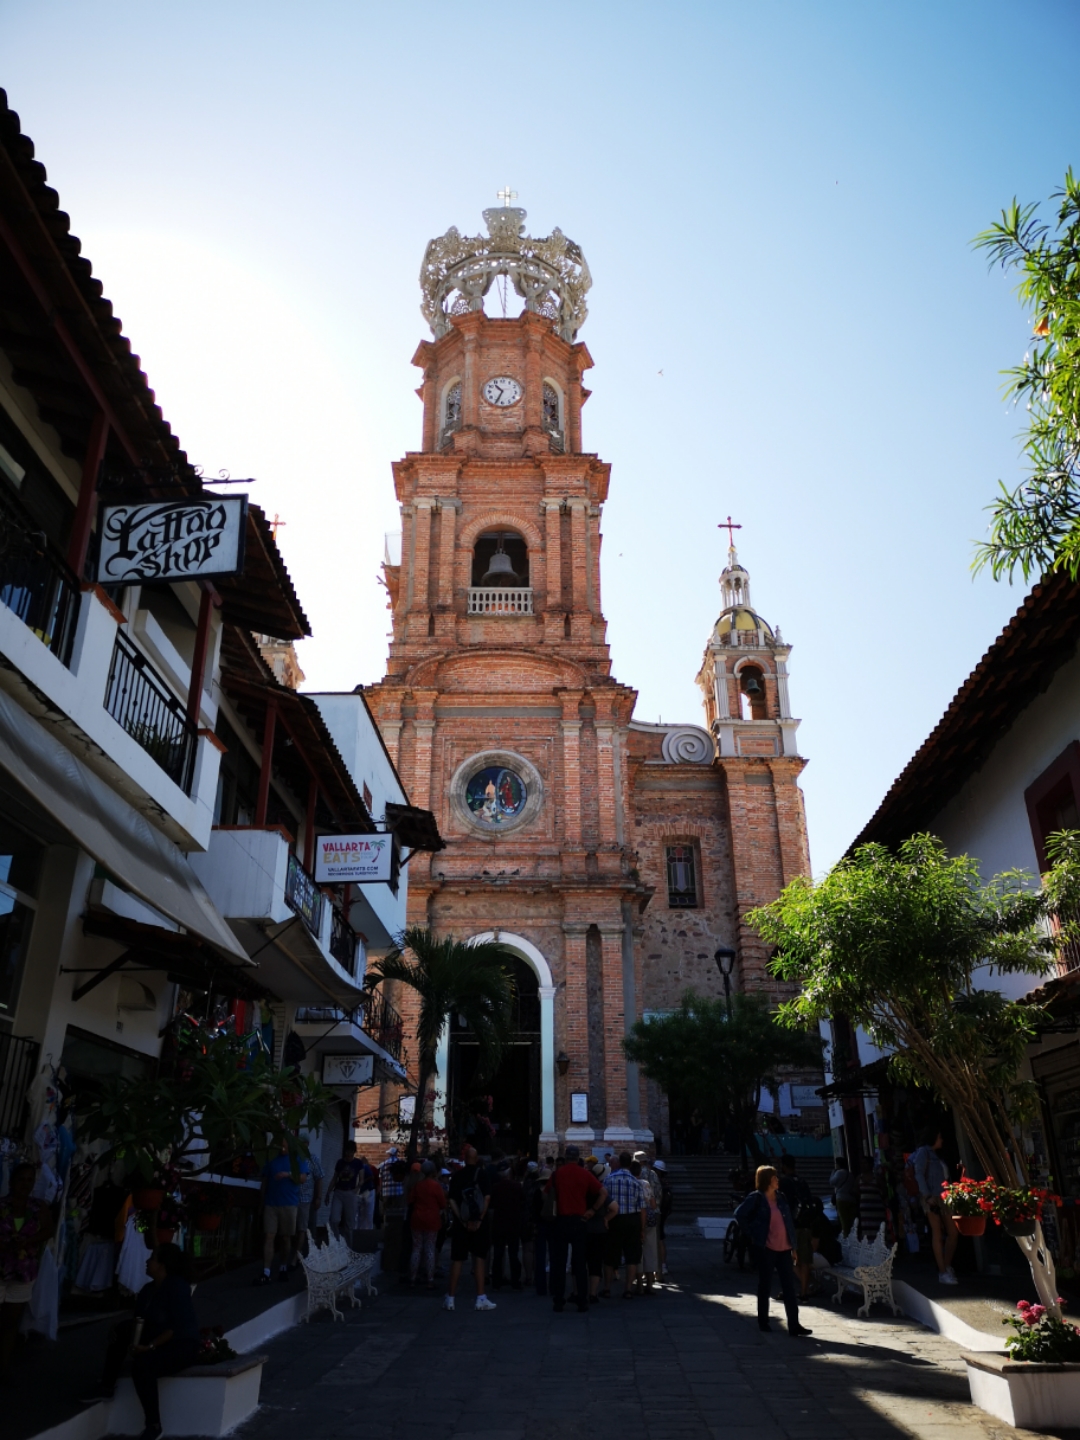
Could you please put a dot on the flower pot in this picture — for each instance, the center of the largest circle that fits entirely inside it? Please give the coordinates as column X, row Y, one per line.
column 148, row 1199
column 1024, row 1393
column 164, row 1237
column 970, row 1224
column 1017, row 1228
column 209, row 1220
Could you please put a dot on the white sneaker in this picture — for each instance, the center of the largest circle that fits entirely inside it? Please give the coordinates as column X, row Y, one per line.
column 947, row 1278
column 483, row 1303
column 448, row 1302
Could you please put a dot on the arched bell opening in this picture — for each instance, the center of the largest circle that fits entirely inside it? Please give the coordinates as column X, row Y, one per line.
column 752, row 696
column 500, row 560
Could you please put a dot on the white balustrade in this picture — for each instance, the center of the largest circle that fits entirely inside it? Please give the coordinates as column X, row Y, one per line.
column 492, row 600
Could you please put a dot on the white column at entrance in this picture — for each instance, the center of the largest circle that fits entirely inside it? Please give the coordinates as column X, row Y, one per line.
column 548, row 1134
column 441, row 1082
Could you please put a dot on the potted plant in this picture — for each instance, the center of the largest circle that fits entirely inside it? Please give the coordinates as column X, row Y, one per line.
column 1037, row 1385
column 969, row 1202
column 207, row 1204
column 1016, row 1211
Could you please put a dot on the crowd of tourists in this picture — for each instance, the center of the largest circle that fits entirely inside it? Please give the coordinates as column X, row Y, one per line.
column 596, row 1222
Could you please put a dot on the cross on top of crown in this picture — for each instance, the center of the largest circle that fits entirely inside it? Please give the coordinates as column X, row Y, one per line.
column 730, row 526
column 506, row 195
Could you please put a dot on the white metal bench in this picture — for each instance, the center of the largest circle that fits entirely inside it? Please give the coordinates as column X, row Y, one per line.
column 865, row 1265
column 333, row 1269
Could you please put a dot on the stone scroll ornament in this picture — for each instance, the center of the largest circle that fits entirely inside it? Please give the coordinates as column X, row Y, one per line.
column 688, row 745
column 550, row 274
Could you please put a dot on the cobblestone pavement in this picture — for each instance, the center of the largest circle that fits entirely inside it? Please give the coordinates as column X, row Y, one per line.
column 687, row 1362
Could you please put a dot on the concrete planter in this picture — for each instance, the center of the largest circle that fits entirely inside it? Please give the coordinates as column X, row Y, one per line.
column 205, row 1400
column 1024, row 1393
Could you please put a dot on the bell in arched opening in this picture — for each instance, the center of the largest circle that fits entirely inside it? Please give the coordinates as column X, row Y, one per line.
column 500, row 569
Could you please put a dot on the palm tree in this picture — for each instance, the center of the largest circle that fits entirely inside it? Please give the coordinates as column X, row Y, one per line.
column 451, row 978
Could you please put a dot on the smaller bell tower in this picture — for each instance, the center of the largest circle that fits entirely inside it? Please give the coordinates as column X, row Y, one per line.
column 744, row 677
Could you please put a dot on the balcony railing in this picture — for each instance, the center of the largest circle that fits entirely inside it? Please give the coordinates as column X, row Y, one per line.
column 344, row 942
column 37, row 586
column 139, row 700
column 18, row 1062
column 1069, row 955
column 304, row 896
column 374, row 1015
column 515, row 600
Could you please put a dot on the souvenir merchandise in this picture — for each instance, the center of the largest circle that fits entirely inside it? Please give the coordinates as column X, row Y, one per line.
column 134, row 1253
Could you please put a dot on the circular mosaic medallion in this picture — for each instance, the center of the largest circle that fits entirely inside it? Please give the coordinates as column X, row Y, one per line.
column 495, row 795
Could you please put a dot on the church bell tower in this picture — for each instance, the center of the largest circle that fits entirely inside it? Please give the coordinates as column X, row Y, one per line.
column 611, row 858
column 498, row 703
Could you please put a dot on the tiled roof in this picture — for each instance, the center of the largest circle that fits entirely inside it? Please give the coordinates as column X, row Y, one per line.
column 1018, row 667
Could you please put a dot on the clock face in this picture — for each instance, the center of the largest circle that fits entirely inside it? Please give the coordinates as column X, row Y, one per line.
column 502, row 391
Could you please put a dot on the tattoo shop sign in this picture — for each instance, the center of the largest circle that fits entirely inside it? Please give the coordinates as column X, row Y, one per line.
column 352, row 859
column 171, row 539
column 348, row 1069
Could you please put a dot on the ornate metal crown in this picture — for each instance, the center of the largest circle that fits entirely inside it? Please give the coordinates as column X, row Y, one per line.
column 550, row 274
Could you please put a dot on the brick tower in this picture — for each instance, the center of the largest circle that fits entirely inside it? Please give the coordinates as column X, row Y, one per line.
column 500, row 710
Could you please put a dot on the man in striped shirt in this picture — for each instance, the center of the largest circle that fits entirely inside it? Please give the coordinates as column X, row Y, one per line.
column 626, row 1232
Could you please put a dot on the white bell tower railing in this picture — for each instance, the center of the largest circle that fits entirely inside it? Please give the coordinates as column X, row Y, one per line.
column 492, row 600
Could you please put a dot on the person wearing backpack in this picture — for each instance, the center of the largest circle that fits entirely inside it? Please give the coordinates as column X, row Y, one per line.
column 470, row 1230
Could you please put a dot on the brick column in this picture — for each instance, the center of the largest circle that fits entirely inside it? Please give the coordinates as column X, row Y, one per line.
column 755, row 859
column 571, row 745
column 579, row 555
column 448, row 513
column 421, row 576
column 432, row 419
column 593, row 559
column 575, row 1028
column 424, row 726
column 534, row 384
column 553, row 546
column 790, row 821
column 618, row 1128
column 573, row 417
column 605, row 769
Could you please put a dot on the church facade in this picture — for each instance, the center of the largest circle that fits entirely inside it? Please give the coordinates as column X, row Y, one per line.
column 611, row 858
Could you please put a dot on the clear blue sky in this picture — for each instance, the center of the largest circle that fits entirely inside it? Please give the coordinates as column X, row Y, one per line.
column 776, row 201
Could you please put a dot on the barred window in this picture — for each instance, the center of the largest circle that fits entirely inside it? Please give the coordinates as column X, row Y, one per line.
column 682, row 877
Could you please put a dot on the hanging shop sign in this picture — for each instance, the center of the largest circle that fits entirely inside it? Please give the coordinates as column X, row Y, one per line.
column 353, row 859
column 171, row 539
column 806, row 1095
column 348, row 1069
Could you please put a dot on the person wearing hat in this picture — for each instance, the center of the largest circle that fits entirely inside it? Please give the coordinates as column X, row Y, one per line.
column 667, row 1202
column 578, row 1195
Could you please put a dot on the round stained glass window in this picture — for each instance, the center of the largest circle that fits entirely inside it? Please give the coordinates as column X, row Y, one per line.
column 495, row 795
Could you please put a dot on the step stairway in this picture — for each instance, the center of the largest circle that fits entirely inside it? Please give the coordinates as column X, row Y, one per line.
column 700, row 1184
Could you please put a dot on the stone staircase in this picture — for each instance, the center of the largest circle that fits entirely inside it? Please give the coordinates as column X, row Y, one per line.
column 700, row 1183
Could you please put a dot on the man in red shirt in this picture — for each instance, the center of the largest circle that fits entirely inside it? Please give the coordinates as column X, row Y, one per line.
column 578, row 1196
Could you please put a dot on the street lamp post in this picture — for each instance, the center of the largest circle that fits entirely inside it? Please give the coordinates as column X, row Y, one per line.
column 725, row 961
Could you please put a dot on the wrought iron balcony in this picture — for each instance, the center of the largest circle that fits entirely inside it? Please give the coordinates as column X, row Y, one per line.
column 36, row 585
column 18, row 1063
column 344, row 942
column 374, row 1015
column 304, row 896
column 492, row 600
column 139, row 700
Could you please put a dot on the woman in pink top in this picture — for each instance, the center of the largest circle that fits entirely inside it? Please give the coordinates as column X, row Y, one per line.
column 766, row 1219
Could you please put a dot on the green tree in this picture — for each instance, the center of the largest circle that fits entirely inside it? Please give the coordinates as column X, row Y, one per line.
column 908, row 946
column 221, row 1097
column 705, row 1059
column 450, row 978
column 1036, row 526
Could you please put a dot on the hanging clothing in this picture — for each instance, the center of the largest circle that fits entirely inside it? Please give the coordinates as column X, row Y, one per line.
column 134, row 1253
column 43, row 1312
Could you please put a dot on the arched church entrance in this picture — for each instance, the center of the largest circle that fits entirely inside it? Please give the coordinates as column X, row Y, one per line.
column 500, row 1110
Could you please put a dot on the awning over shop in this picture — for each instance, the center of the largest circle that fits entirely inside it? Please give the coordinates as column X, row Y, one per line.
column 106, row 827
